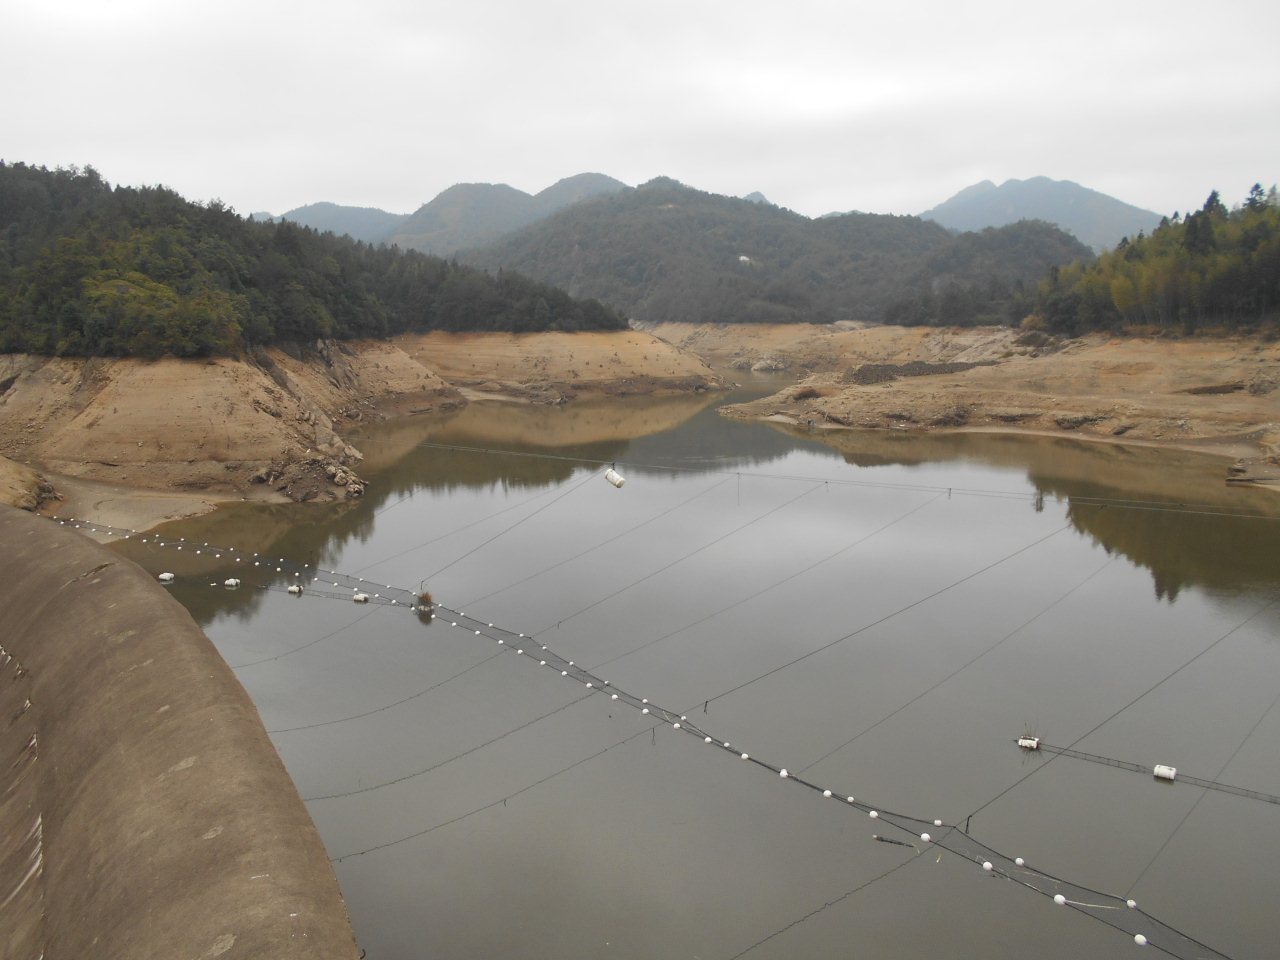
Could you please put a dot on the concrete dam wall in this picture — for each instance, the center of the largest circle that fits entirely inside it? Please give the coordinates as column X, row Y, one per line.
column 143, row 810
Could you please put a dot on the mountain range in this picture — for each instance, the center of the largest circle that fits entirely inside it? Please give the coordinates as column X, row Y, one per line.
column 667, row 252
column 1092, row 217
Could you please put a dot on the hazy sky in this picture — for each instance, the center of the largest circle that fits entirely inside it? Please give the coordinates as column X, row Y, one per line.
column 820, row 105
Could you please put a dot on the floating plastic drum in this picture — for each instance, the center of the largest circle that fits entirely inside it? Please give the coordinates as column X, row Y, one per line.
column 231, row 583
column 360, row 598
column 1164, row 773
column 165, row 578
column 614, row 477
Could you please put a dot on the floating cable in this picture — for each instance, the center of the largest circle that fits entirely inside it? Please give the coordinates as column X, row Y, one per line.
column 501, row 533
column 389, row 706
column 487, row 806
column 1150, row 771
column 1165, row 679
column 441, row 763
column 1205, row 509
column 466, row 526
column 1205, row 792
column 830, row 903
column 602, row 543
column 1115, row 912
column 960, row 669
column 889, row 616
column 678, row 560
column 309, row 643
column 777, row 583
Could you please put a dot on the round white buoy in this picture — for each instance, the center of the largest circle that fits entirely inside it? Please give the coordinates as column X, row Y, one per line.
column 542, row 662
column 645, row 700
column 645, row 710
column 1139, row 939
column 783, row 773
column 676, row 726
column 926, row 838
column 565, row 673
column 1059, row 899
column 937, row 823
column 706, row 739
column 1131, row 904
column 827, row 794
column 614, row 697
column 501, row 641
column 1019, row 861
column 165, row 578
column 849, row 799
column 745, row 757
column 986, row 865
column 874, row 815
column 517, row 651
column 590, row 685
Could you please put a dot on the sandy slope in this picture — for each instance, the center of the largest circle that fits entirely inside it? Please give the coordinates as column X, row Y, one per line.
column 275, row 424
column 1199, row 393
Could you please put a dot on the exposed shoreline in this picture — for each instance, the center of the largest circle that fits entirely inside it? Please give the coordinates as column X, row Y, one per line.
column 1209, row 396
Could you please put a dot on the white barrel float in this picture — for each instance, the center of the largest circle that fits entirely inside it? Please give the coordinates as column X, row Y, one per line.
column 1029, row 743
column 1164, row 773
column 295, row 589
column 360, row 598
column 165, row 578
column 231, row 583
column 614, row 477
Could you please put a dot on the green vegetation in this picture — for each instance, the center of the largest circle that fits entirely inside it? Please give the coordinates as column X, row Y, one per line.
column 87, row 270
column 665, row 252
column 1213, row 268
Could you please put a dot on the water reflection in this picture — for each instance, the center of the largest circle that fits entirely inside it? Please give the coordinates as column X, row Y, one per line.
column 694, row 581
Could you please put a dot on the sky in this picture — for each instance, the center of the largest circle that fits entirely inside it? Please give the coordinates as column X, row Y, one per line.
column 821, row 106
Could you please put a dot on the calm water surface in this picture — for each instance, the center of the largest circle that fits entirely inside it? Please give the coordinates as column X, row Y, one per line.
column 987, row 587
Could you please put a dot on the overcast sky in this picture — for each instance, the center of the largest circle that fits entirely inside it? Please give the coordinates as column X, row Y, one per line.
column 822, row 106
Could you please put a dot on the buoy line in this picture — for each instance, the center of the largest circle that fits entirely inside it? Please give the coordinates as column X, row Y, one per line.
column 1117, row 912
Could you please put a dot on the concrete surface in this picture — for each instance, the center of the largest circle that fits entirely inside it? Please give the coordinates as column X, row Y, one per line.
column 143, row 811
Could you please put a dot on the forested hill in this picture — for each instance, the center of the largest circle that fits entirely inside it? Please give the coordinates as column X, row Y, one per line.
column 1215, row 267
column 359, row 223
column 471, row 214
column 665, row 252
column 87, row 269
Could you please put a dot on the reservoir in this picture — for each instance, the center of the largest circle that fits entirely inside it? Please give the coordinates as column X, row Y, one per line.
column 885, row 616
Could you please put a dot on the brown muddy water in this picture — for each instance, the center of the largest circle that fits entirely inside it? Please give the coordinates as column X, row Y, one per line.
column 987, row 587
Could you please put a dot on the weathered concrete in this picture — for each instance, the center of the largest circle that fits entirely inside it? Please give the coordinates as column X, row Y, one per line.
column 143, row 810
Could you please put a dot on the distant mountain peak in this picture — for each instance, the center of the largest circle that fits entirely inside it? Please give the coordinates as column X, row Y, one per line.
column 756, row 197
column 1094, row 218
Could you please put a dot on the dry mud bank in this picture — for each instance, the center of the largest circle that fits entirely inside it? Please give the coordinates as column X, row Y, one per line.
column 1213, row 394
column 275, row 424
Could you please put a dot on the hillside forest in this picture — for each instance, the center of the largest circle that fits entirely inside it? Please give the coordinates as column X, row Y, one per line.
column 1212, row 268
column 88, row 269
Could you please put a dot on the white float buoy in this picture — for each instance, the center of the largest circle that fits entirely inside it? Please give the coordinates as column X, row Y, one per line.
column 706, row 739
column 1131, row 904
column 1162, row 772
column 1139, row 939
column 360, row 598
column 1019, row 861
column 646, row 710
column 873, row 814
column 745, row 757
column 231, row 583
column 937, row 823
column 827, row 794
column 165, row 578
column 1029, row 743
column 926, row 838
column 295, row 589
column 986, row 865
column 614, row 477
column 614, row 697
column 783, row 773
column 1059, row 899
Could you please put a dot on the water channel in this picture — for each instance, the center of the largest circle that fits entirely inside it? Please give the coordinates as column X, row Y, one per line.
column 986, row 587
